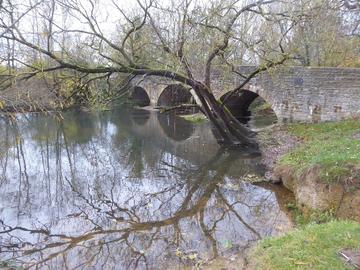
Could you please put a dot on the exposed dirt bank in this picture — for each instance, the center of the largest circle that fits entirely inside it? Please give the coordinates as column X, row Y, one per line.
column 328, row 182
column 342, row 198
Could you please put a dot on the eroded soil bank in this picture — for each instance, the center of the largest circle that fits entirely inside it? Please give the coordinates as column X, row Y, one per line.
column 319, row 163
column 342, row 198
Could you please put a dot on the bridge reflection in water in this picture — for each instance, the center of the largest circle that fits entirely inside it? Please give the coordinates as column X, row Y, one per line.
column 105, row 191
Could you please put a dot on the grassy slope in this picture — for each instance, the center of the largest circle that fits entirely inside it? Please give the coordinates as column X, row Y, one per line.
column 336, row 148
column 333, row 146
column 314, row 247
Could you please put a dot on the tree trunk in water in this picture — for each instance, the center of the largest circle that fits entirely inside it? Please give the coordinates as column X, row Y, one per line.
column 231, row 131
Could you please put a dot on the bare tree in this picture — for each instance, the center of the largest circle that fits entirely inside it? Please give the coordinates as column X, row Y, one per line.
column 157, row 39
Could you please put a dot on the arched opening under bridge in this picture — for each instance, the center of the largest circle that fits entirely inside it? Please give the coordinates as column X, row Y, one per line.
column 248, row 106
column 139, row 96
column 173, row 95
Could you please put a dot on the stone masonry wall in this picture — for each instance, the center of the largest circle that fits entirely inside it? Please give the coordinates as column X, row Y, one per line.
column 305, row 94
column 312, row 94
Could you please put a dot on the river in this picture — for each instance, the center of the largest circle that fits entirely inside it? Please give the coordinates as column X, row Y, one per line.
column 127, row 189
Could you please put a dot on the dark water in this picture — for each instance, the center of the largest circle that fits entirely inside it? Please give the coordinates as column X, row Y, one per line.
column 126, row 190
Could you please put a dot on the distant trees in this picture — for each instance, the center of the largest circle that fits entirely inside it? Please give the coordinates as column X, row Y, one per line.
column 330, row 35
column 179, row 40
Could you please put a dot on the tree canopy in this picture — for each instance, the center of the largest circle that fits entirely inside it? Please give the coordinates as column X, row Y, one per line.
column 179, row 40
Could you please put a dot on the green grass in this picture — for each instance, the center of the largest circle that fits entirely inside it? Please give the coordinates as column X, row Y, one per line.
column 313, row 247
column 332, row 146
column 313, row 217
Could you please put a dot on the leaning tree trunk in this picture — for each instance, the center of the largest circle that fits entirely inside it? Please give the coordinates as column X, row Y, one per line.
column 231, row 131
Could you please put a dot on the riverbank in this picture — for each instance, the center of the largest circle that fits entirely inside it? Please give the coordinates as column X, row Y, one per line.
column 320, row 164
column 323, row 170
column 274, row 143
column 33, row 95
column 331, row 246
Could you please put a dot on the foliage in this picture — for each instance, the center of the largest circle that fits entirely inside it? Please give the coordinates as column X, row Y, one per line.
column 3, row 69
column 327, row 37
column 38, row 63
column 314, row 217
column 80, row 91
column 312, row 247
column 332, row 146
column 260, row 107
column 6, row 265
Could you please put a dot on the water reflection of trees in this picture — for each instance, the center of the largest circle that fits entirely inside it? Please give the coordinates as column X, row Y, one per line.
column 90, row 205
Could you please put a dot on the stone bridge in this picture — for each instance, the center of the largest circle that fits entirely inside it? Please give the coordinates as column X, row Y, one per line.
column 306, row 94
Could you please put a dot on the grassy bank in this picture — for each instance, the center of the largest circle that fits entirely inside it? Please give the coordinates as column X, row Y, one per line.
column 313, row 247
column 335, row 147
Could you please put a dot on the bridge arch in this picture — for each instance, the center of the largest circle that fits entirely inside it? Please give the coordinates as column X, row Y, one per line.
column 139, row 96
column 173, row 95
column 239, row 103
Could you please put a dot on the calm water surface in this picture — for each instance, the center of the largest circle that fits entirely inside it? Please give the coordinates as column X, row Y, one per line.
column 126, row 190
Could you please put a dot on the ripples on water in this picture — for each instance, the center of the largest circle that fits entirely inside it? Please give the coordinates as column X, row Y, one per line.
column 113, row 191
